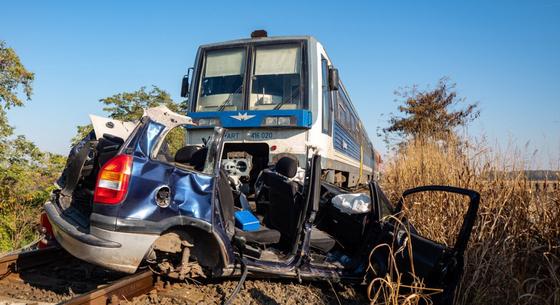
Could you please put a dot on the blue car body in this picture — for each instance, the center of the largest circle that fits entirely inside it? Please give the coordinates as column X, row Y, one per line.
column 124, row 235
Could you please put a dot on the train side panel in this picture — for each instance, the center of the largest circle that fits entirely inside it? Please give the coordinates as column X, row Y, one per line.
column 349, row 156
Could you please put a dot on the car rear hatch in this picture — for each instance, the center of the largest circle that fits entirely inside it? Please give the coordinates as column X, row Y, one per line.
column 78, row 179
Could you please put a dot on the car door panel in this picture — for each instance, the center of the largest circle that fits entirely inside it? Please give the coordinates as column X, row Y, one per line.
column 191, row 193
column 438, row 265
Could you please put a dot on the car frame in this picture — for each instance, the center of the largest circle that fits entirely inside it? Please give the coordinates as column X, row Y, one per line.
column 168, row 210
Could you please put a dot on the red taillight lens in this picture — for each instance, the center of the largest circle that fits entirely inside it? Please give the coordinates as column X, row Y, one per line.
column 45, row 224
column 45, row 228
column 112, row 181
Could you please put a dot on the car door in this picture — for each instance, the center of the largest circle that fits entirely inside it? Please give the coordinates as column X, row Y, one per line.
column 414, row 255
column 192, row 189
column 310, row 204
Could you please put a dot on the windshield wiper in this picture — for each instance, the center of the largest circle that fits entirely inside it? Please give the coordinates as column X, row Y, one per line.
column 230, row 96
column 291, row 97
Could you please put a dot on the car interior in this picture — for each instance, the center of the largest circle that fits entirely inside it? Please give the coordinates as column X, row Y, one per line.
column 281, row 211
column 280, row 205
column 77, row 181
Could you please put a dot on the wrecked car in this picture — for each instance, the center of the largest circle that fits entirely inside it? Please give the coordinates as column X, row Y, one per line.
column 134, row 194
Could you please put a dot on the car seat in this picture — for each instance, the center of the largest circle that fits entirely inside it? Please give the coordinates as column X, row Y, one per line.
column 286, row 206
column 185, row 154
column 264, row 236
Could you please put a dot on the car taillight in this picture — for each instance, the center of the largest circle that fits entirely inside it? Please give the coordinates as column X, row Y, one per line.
column 45, row 228
column 112, row 181
column 45, row 225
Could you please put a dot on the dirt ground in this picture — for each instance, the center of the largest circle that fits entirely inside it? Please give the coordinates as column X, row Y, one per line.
column 255, row 292
column 55, row 282
column 67, row 277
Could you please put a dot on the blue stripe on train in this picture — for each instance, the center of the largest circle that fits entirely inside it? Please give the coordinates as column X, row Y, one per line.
column 251, row 118
column 344, row 143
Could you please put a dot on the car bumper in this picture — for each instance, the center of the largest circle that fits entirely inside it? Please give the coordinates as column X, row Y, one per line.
column 114, row 250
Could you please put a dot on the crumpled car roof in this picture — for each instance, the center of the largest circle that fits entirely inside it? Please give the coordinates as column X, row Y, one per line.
column 123, row 129
column 166, row 117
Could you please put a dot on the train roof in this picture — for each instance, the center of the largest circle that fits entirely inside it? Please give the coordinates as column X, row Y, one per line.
column 259, row 39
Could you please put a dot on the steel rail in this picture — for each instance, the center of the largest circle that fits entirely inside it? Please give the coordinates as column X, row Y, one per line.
column 125, row 288
column 14, row 263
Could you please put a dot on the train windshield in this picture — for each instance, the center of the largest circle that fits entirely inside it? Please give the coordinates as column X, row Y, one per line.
column 276, row 81
column 221, row 87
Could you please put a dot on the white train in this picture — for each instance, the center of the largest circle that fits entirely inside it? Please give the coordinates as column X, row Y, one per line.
column 277, row 95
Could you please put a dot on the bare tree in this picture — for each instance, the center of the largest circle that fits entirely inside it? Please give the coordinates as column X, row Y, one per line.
column 431, row 114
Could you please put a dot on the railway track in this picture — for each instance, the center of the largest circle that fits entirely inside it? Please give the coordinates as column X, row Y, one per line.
column 52, row 276
column 125, row 288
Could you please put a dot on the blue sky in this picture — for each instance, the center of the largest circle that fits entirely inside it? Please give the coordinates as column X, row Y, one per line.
column 503, row 54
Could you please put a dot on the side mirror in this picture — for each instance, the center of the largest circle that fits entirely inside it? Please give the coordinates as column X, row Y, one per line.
column 185, row 86
column 333, row 79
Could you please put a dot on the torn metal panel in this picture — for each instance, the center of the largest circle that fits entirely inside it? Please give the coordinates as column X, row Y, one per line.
column 166, row 117
column 110, row 126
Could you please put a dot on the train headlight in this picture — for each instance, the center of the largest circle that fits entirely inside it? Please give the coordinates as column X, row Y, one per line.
column 285, row 120
column 270, row 121
column 209, row 122
column 279, row 121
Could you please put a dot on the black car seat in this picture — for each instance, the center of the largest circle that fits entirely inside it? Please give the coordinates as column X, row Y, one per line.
column 107, row 148
column 199, row 158
column 321, row 240
column 285, row 200
column 264, row 236
column 184, row 154
column 286, row 206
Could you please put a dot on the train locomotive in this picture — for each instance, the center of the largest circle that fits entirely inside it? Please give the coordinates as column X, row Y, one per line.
column 277, row 96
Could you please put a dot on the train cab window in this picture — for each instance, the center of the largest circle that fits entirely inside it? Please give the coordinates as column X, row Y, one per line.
column 221, row 86
column 327, row 116
column 277, row 78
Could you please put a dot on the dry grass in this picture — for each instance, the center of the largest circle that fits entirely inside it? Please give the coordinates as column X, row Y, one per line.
column 513, row 256
column 389, row 289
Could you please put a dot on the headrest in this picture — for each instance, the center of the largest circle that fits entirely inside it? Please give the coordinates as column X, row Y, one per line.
column 185, row 154
column 112, row 138
column 287, row 166
column 199, row 158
